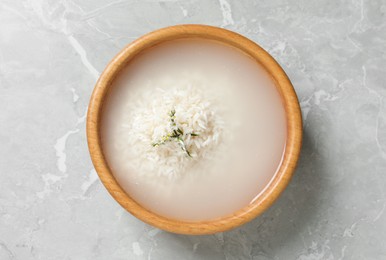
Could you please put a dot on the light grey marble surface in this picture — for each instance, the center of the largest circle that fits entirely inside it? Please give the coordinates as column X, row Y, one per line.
column 53, row 206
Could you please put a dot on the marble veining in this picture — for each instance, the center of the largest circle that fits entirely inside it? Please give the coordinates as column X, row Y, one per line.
column 52, row 204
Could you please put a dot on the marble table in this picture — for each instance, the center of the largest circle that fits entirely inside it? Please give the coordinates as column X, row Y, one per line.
column 53, row 206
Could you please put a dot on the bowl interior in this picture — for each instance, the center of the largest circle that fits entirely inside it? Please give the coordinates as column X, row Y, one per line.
column 284, row 87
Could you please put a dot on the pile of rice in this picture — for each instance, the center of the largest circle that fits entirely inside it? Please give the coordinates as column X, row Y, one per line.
column 196, row 111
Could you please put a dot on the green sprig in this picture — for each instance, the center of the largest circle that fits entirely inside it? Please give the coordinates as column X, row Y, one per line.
column 176, row 134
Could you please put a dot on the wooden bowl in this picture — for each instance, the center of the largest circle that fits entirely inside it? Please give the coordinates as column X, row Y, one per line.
column 293, row 117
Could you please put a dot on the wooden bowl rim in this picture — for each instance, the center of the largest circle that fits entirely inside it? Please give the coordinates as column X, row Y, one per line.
column 293, row 117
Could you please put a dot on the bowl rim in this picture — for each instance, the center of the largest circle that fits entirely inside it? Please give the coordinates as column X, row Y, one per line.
column 293, row 119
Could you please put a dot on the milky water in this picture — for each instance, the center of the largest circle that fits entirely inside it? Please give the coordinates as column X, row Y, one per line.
column 250, row 152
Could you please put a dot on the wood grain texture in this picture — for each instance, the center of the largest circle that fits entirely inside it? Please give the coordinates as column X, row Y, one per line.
column 289, row 99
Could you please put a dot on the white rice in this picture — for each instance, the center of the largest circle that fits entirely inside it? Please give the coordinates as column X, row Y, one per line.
column 197, row 110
